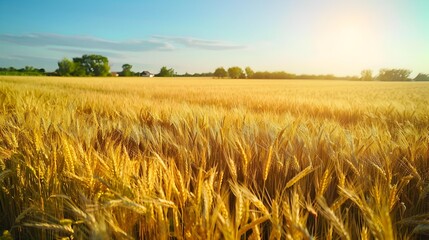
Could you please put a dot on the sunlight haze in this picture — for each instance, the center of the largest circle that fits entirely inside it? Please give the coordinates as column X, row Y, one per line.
column 314, row 37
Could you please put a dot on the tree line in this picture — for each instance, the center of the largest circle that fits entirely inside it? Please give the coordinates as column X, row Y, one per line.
column 392, row 75
column 26, row 71
column 238, row 73
column 384, row 74
column 98, row 65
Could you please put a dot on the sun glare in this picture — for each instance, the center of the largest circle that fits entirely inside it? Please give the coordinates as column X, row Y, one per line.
column 350, row 39
column 347, row 40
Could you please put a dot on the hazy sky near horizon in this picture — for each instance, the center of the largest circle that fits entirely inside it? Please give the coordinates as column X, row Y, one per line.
column 316, row 37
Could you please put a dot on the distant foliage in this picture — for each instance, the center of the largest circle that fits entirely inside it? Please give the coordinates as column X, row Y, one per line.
column 26, row 71
column 87, row 65
column 126, row 70
column 366, row 75
column 166, row 72
column 206, row 74
column 93, row 65
column 422, row 77
column 235, row 72
column 273, row 75
column 65, row 67
column 393, row 75
column 220, row 72
column 249, row 72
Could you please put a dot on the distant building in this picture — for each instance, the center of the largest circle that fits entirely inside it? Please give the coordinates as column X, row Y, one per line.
column 147, row 74
column 114, row 74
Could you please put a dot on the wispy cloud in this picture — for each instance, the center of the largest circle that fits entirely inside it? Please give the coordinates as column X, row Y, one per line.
column 70, row 43
column 24, row 58
column 80, row 51
column 200, row 43
column 83, row 42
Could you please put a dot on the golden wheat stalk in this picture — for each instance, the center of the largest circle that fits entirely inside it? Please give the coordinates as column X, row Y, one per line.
column 299, row 176
column 333, row 219
column 268, row 163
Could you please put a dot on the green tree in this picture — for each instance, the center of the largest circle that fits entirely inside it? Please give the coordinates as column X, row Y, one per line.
column 91, row 65
column 96, row 65
column 249, row 72
column 393, row 75
column 165, row 72
column 422, row 77
column 79, row 69
column 65, row 67
column 220, row 72
column 366, row 75
column 235, row 72
column 29, row 69
column 126, row 70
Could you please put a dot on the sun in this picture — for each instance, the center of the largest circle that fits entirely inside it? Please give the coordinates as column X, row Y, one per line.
column 350, row 39
column 347, row 41
column 350, row 35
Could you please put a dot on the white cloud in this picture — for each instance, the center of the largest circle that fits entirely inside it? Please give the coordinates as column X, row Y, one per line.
column 83, row 42
column 68, row 43
column 200, row 43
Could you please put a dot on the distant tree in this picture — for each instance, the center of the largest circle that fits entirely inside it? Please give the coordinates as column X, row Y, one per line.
column 220, row 72
column 393, row 75
column 91, row 65
column 422, row 77
column 235, row 72
column 29, row 69
column 96, row 65
column 25, row 71
column 249, row 72
column 65, row 67
column 79, row 68
column 165, row 72
column 275, row 75
column 126, row 70
column 366, row 75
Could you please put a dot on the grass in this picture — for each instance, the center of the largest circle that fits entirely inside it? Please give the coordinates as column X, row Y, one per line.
column 126, row 158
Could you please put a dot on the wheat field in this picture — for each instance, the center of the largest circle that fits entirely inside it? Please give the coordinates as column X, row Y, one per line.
column 201, row 158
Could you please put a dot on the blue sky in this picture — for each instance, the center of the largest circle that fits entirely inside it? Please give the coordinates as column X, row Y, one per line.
column 316, row 37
